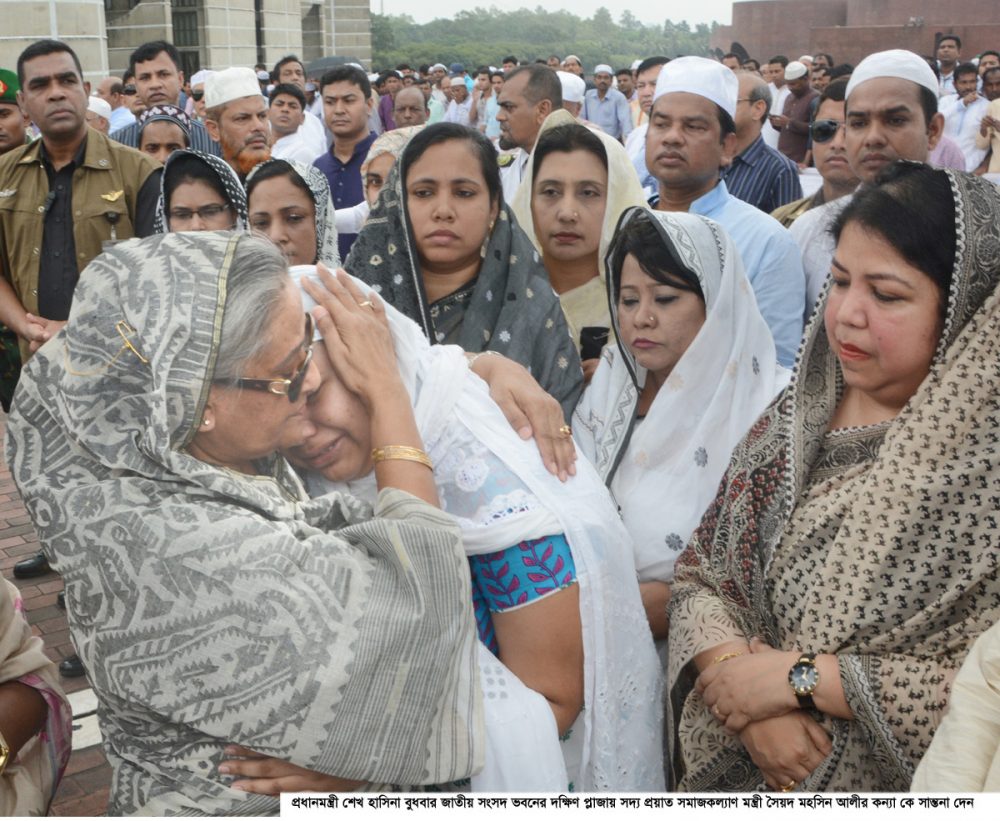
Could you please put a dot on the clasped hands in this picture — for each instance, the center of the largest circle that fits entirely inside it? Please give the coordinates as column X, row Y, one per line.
column 749, row 695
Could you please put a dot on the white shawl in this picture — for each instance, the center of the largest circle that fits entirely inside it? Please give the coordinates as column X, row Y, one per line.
column 664, row 472
column 497, row 488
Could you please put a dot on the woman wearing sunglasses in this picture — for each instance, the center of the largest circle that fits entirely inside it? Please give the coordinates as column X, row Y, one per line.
column 210, row 599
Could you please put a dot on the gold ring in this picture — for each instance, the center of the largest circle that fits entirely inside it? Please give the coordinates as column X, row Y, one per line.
column 566, row 431
column 366, row 304
column 791, row 785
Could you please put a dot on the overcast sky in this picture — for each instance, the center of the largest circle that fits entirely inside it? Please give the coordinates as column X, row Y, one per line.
column 703, row 11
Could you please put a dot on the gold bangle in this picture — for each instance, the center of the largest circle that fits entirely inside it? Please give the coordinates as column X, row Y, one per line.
column 403, row 452
column 725, row 657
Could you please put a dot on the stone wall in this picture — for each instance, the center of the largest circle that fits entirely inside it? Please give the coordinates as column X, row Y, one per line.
column 79, row 23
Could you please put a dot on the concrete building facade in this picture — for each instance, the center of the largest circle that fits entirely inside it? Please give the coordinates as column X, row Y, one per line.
column 209, row 33
column 852, row 29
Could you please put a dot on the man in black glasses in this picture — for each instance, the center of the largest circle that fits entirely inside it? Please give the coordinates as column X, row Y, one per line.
column 112, row 91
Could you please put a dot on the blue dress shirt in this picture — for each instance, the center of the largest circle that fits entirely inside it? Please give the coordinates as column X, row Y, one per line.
column 772, row 262
column 612, row 113
column 346, row 186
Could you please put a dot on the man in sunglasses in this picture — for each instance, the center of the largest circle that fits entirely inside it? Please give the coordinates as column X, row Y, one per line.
column 196, row 105
column 829, row 156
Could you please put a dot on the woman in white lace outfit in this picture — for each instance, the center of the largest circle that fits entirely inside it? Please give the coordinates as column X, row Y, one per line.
column 568, row 669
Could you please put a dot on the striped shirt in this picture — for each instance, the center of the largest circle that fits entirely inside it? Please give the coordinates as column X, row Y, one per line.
column 763, row 177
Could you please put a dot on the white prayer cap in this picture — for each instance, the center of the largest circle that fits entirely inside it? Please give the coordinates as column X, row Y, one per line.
column 263, row 76
column 373, row 77
column 230, row 84
column 898, row 63
column 701, row 76
column 457, row 80
column 636, row 64
column 201, row 76
column 99, row 106
column 604, row 68
column 569, row 57
column 439, row 67
column 805, row 58
column 573, row 86
column 795, row 70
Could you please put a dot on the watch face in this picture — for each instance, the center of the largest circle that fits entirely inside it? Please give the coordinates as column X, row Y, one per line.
column 803, row 678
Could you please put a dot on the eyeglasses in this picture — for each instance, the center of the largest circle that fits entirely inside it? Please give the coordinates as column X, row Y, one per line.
column 128, row 91
column 824, row 130
column 292, row 388
column 197, row 95
column 206, row 212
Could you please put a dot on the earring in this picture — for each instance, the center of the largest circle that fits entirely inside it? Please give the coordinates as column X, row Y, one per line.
column 651, row 318
column 206, row 423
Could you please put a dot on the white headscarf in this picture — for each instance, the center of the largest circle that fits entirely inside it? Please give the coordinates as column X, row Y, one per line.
column 615, row 742
column 667, row 472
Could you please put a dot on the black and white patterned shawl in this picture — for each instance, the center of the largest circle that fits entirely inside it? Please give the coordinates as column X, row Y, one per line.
column 909, row 576
column 210, row 606
column 512, row 308
column 235, row 193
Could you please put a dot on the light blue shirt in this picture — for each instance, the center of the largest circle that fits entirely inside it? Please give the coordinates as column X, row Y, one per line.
column 772, row 261
column 612, row 113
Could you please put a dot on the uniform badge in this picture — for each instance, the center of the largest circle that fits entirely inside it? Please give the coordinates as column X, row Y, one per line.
column 8, row 192
column 505, row 160
column 112, row 196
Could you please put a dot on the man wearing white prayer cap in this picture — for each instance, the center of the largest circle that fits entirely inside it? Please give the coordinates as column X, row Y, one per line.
column 236, row 116
column 606, row 106
column 460, row 108
column 98, row 114
column 892, row 111
column 691, row 137
column 792, row 124
column 573, row 89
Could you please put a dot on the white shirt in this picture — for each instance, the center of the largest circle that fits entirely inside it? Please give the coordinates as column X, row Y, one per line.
column 459, row 112
column 295, row 147
column 635, row 143
column 511, row 176
column 961, row 123
column 778, row 97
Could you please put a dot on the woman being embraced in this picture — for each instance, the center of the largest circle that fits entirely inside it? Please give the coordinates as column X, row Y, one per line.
column 693, row 367
column 563, row 653
column 211, row 600
column 836, row 583
column 441, row 246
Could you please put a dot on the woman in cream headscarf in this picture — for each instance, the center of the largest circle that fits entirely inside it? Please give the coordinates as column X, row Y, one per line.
column 578, row 184
column 694, row 366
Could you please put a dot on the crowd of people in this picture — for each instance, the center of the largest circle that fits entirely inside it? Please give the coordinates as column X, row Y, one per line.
column 510, row 429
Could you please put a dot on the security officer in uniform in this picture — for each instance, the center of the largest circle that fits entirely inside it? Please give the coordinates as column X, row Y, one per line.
column 61, row 198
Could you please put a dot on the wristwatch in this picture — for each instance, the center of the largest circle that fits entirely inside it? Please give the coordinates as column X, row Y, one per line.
column 4, row 754
column 804, row 677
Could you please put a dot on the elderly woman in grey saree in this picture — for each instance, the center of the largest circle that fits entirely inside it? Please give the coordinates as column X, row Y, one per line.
column 833, row 588
column 441, row 246
column 210, row 599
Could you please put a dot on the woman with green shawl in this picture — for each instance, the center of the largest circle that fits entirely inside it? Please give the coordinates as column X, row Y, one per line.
column 441, row 246
column 211, row 600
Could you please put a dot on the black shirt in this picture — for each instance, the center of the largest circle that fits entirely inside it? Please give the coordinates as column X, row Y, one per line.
column 57, row 270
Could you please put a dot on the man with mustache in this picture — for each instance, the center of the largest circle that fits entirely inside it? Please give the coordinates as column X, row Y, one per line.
column 62, row 198
column 891, row 114
column 236, row 117
column 691, row 138
column 158, row 80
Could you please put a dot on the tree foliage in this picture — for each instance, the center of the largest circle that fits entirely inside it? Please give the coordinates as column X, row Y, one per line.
column 484, row 36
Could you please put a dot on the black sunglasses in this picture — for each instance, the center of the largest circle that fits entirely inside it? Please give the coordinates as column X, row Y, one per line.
column 292, row 388
column 824, row 130
column 128, row 91
column 197, row 95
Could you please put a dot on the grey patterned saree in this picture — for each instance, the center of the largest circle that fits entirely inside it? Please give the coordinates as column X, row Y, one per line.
column 877, row 544
column 210, row 606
